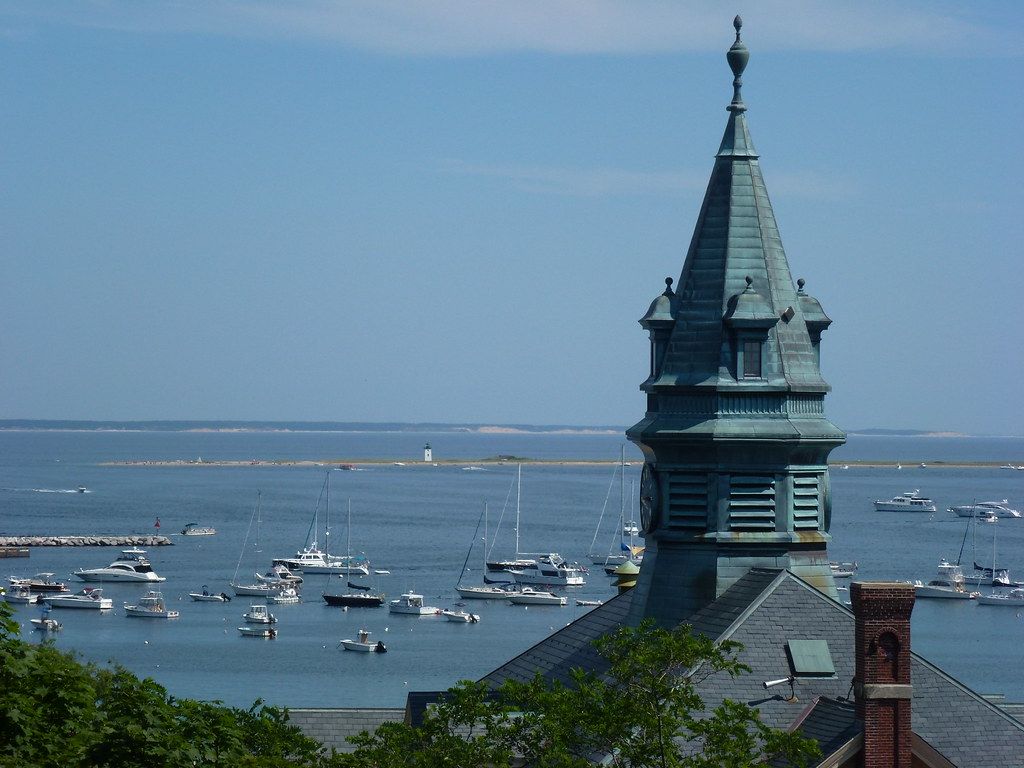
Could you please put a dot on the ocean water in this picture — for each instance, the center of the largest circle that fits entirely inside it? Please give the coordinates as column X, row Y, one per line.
column 417, row 522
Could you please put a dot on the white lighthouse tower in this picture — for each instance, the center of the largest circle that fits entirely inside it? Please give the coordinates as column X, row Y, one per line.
column 428, row 454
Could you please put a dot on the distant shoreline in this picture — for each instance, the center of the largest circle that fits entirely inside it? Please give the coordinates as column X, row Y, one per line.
column 357, row 464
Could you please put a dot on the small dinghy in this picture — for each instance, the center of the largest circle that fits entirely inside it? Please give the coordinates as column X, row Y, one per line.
column 270, row 632
column 363, row 644
column 464, row 617
column 207, row 597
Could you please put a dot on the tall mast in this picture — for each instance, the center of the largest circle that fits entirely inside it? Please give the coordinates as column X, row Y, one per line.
column 622, row 486
column 519, row 487
column 327, row 518
column 348, row 546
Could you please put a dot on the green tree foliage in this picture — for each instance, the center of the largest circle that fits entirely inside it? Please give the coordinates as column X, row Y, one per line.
column 58, row 713
column 642, row 710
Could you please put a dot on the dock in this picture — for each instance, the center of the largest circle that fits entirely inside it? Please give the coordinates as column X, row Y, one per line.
column 14, row 552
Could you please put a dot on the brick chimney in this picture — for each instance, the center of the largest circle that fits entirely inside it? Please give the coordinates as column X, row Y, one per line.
column 882, row 677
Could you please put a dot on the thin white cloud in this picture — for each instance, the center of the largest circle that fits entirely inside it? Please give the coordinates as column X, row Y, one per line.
column 567, row 27
column 607, row 182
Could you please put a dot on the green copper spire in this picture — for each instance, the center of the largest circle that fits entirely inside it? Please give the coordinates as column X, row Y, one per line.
column 735, row 437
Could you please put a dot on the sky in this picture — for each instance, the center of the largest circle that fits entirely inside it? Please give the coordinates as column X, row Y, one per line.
column 456, row 211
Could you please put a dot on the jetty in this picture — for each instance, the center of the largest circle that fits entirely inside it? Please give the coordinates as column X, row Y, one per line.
column 84, row 541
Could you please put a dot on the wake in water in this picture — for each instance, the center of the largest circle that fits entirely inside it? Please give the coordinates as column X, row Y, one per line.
column 46, row 490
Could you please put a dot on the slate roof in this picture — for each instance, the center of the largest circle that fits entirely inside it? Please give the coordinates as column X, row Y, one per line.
column 830, row 722
column 763, row 610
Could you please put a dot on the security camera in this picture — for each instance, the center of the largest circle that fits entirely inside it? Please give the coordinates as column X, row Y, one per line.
column 773, row 683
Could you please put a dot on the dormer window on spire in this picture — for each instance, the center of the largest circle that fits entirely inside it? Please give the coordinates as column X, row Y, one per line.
column 749, row 366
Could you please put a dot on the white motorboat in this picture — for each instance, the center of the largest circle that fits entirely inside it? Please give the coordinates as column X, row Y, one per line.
column 194, row 529
column 948, row 584
column 20, row 594
column 132, row 565
column 150, row 606
column 285, row 597
column 207, row 597
column 270, row 632
column 411, row 603
column 81, row 489
column 535, row 597
column 911, row 501
column 589, row 603
column 1015, row 597
column 259, row 614
column 46, row 624
column 363, row 644
column 843, row 570
column 460, row 617
column 553, row 571
column 985, row 509
column 41, row 583
column 630, row 528
column 88, row 598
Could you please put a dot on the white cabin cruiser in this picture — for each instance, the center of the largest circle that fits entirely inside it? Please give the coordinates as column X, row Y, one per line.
column 90, row 597
column 552, row 570
column 985, row 509
column 132, row 565
column 535, row 597
column 194, row 529
column 313, row 560
column 411, row 603
column 150, row 606
column 911, row 501
column 20, row 594
column 948, row 583
column 485, row 592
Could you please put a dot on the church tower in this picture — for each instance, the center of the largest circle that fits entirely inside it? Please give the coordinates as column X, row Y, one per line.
column 735, row 438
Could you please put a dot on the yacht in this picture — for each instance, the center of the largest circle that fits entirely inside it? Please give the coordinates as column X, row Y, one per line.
column 412, row 603
column 985, row 509
column 911, row 501
column 948, row 583
column 843, row 570
column 314, row 560
column 90, row 597
column 552, row 570
column 132, row 565
column 535, row 597
column 150, row 606
column 41, row 583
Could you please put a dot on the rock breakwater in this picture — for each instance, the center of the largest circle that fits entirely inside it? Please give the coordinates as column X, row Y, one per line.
column 84, row 541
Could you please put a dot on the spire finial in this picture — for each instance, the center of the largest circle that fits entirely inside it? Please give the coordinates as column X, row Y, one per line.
column 738, row 56
column 668, row 286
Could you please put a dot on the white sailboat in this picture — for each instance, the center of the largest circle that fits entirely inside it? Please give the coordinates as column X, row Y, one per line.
column 618, row 551
column 257, row 588
column 519, row 562
column 489, row 590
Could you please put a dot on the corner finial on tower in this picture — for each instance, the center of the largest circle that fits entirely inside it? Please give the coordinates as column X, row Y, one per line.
column 668, row 287
column 738, row 56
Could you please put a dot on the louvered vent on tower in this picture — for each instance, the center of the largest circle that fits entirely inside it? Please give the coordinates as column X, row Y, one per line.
column 805, row 502
column 688, row 502
column 751, row 503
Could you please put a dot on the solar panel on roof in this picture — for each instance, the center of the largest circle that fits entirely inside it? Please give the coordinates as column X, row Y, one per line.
column 810, row 658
